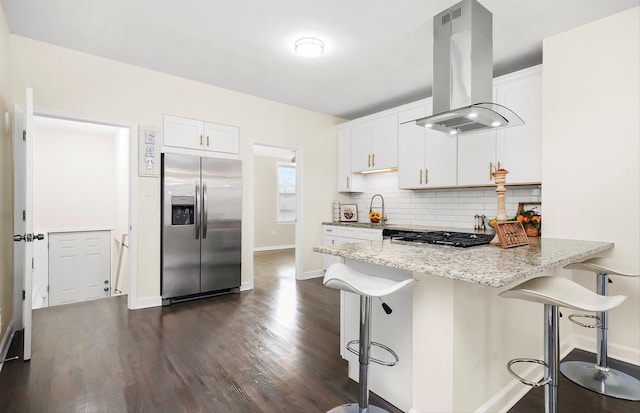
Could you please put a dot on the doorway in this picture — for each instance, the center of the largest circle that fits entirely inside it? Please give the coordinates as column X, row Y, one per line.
column 81, row 205
column 276, row 206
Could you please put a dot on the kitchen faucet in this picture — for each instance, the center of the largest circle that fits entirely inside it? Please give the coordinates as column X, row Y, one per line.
column 384, row 217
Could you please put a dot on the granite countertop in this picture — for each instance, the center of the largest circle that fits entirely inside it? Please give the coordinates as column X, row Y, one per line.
column 487, row 264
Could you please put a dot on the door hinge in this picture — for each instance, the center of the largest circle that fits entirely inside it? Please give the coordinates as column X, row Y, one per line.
column 33, row 263
column 47, row 288
column 24, row 135
column 24, row 295
column 24, row 215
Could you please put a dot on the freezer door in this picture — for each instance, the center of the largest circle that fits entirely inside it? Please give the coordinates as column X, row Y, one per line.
column 181, row 227
column 222, row 219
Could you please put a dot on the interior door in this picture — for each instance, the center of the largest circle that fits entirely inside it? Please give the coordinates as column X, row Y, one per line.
column 23, row 218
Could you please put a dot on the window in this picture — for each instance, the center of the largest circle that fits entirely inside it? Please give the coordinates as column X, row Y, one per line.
column 286, row 192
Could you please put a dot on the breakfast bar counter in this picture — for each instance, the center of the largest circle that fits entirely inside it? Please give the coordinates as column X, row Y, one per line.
column 487, row 264
column 451, row 330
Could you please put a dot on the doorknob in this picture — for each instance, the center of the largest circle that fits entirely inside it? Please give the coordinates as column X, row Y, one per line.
column 28, row 237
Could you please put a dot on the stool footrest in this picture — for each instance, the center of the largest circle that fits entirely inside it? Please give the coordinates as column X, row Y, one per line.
column 543, row 382
column 596, row 325
column 375, row 360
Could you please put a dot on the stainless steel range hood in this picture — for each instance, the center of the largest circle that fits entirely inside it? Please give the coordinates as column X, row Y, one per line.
column 463, row 73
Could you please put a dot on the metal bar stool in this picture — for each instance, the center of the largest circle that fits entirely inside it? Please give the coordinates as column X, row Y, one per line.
column 555, row 292
column 342, row 277
column 600, row 377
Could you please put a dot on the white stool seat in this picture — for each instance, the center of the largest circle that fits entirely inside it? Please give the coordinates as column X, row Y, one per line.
column 342, row 277
column 563, row 293
column 597, row 265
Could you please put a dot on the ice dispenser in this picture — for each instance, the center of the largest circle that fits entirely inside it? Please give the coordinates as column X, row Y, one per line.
column 182, row 211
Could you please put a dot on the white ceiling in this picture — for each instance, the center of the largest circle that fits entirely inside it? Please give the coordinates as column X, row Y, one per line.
column 377, row 52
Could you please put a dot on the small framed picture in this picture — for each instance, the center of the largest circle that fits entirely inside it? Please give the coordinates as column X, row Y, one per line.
column 349, row 213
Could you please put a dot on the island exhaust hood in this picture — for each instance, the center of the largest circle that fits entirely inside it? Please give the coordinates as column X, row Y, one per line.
column 463, row 73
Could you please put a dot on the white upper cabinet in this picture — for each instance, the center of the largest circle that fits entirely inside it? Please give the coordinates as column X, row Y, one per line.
column 374, row 144
column 426, row 158
column 347, row 182
column 517, row 149
column 196, row 134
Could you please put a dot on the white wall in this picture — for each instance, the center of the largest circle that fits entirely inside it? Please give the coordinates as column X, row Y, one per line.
column 6, row 183
column 75, row 82
column 591, row 155
column 268, row 233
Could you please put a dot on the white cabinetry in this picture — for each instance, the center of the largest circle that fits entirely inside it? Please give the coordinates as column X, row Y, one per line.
column 516, row 149
column 196, row 134
column 347, row 182
column 426, row 158
column 337, row 234
column 374, row 144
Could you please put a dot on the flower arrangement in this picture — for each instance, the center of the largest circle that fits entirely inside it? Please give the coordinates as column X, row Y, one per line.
column 529, row 218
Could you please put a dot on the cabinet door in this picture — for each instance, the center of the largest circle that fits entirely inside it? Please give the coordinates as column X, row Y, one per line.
column 347, row 182
column 441, row 159
column 518, row 148
column 411, row 149
column 221, row 138
column 385, row 143
column 476, row 154
column 361, row 146
column 183, row 132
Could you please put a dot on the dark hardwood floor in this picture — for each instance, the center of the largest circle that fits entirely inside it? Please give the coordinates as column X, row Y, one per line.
column 273, row 349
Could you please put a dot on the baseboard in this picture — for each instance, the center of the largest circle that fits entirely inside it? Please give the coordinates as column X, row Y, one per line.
column 311, row 274
column 274, row 248
column 246, row 286
column 510, row 394
column 147, row 302
column 6, row 343
column 615, row 351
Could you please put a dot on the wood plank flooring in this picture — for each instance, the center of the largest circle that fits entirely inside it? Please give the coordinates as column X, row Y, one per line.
column 273, row 349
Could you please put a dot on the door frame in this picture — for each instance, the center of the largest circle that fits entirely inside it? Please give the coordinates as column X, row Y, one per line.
column 132, row 295
column 299, row 154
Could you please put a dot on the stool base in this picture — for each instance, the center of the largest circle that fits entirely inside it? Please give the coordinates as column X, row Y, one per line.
column 612, row 383
column 355, row 408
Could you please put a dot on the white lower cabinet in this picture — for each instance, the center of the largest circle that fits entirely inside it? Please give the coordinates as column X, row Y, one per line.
column 337, row 234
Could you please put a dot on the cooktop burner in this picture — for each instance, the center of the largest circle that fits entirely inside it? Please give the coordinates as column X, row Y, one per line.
column 456, row 239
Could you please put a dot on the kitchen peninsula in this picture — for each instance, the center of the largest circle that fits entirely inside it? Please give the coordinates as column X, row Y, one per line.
column 453, row 333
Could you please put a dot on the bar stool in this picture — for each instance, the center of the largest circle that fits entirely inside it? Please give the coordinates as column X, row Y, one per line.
column 342, row 277
column 555, row 292
column 599, row 377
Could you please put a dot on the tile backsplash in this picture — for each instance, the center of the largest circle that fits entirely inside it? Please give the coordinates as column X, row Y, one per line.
column 454, row 207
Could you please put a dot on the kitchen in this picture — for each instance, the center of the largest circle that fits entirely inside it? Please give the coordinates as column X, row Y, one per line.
column 89, row 83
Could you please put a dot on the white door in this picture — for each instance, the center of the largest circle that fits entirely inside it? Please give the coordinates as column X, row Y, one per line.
column 23, row 218
column 79, row 266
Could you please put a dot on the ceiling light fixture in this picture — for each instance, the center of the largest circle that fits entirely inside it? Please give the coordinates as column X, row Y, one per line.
column 309, row 47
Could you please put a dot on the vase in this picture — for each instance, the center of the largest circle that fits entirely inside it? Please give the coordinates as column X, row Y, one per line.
column 532, row 232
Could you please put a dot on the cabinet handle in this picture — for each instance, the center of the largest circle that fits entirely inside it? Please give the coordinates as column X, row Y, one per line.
column 491, row 169
column 347, row 182
column 420, row 176
column 373, row 159
column 207, row 140
column 369, row 160
column 200, row 140
column 499, row 167
column 426, row 176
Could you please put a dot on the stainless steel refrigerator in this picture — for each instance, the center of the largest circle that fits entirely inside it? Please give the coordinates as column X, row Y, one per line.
column 201, row 226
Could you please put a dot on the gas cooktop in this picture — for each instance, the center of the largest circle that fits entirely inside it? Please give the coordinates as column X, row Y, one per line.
column 456, row 239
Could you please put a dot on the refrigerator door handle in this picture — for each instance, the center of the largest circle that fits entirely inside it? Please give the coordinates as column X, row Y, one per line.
column 197, row 212
column 204, row 210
